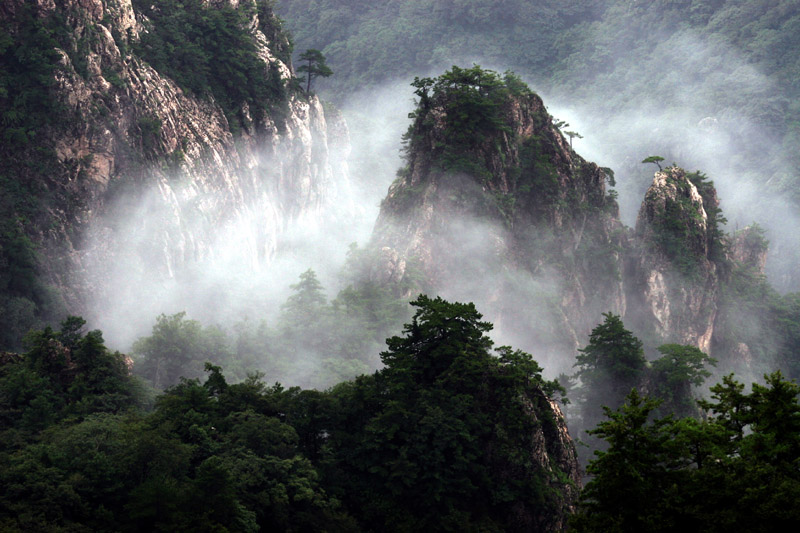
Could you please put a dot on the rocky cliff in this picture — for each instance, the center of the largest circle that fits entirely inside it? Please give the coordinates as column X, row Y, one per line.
column 130, row 146
column 510, row 216
column 673, row 283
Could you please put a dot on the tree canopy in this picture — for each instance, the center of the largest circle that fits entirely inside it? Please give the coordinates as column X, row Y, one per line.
column 314, row 66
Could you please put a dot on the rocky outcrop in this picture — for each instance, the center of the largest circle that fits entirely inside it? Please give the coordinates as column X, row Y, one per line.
column 512, row 218
column 523, row 226
column 141, row 152
column 673, row 284
column 555, row 451
column 749, row 247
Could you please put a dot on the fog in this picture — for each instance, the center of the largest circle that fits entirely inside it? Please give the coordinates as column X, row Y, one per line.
column 694, row 114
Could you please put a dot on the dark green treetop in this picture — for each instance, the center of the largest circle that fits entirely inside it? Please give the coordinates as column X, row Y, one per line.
column 655, row 159
column 314, row 66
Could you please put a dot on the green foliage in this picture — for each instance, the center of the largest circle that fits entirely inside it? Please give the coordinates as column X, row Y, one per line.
column 210, row 51
column 752, row 313
column 375, row 42
column 150, row 133
column 28, row 60
column 539, row 179
column 673, row 375
column 443, row 437
column 314, row 66
column 64, row 373
column 440, row 438
column 613, row 362
column 28, row 110
column 631, row 475
column 211, row 457
column 608, row 367
column 178, row 348
column 610, row 55
column 735, row 469
column 655, row 159
column 472, row 103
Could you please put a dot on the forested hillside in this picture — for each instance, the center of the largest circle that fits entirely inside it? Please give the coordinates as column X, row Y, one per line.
column 450, row 434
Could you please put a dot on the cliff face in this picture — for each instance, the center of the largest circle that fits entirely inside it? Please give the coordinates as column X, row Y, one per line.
column 528, row 229
column 673, row 283
column 512, row 217
column 135, row 147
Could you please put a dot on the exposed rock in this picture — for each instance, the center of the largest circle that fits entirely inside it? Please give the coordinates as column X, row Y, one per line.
column 674, row 286
column 135, row 135
column 561, row 457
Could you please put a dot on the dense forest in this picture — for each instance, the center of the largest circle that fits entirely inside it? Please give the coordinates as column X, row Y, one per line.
column 441, row 438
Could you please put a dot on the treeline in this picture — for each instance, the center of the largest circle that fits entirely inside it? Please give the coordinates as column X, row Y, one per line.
column 313, row 341
column 450, row 434
column 440, row 438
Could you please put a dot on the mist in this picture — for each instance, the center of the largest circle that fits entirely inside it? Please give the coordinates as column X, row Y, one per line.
column 704, row 124
column 177, row 246
column 242, row 266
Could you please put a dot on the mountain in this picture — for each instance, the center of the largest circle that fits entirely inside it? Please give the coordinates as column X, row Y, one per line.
column 149, row 135
column 496, row 206
column 710, row 85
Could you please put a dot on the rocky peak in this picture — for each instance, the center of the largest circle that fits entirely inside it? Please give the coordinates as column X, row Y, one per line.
column 476, row 127
column 674, row 284
column 493, row 203
column 672, row 221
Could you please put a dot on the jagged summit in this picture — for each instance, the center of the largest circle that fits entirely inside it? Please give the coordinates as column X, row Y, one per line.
column 494, row 206
column 674, row 280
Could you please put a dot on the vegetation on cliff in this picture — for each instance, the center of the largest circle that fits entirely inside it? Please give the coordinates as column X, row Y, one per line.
column 210, row 51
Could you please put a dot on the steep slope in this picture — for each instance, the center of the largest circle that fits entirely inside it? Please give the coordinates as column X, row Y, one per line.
column 494, row 206
column 673, row 282
column 218, row 138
